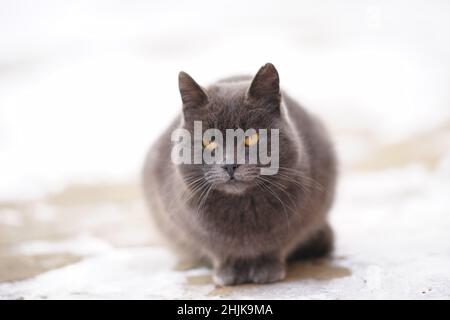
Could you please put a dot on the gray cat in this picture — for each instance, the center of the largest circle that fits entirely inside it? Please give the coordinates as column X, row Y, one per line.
column 246, row 225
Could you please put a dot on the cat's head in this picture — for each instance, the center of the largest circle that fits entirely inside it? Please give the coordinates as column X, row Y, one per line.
column 240, row 103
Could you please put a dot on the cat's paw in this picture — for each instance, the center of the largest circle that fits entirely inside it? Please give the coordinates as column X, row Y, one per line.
column 228, row 276
column 257, row 271
column 220, row 279
column 267, row 273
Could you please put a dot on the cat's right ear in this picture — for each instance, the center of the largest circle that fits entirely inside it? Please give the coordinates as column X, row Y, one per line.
column 265, row 85
column 192, row 95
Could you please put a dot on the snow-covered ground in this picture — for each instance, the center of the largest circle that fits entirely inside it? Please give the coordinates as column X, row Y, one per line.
column 86, row 86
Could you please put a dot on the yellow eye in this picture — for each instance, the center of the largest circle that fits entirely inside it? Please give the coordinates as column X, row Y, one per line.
column 251, row 140
column 210, row 145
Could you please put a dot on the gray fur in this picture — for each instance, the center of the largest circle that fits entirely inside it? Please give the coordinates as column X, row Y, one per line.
column 246, row 228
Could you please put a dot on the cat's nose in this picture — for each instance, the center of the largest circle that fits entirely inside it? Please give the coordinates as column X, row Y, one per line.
column 230, row 168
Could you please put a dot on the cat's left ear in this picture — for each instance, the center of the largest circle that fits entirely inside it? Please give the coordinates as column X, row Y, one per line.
column 265, row 85
column 192, row 95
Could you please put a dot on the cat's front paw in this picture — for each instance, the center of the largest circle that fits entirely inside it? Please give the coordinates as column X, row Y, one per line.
column 224, row 277
column 267, row 273
column 255, row 271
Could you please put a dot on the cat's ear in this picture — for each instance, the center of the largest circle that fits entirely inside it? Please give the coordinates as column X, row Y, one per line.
column 266, row 85
column 192, row 95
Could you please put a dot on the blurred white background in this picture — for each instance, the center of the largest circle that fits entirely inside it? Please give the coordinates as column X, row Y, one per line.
column 85, row 86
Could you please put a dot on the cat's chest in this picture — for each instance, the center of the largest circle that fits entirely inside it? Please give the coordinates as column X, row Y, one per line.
column 252, row 210
column 246, row 203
